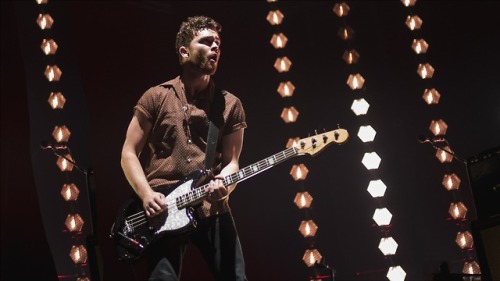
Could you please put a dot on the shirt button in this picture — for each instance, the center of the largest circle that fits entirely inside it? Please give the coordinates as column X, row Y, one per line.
column 190, row 141
column 189, row 160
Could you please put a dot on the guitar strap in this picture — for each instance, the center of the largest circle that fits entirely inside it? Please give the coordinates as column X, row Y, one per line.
column 216, row 119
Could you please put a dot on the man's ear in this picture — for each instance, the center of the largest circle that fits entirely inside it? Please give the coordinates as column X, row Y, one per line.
column 184, row 52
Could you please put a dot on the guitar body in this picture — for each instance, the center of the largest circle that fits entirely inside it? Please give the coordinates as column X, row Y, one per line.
column 133, row 231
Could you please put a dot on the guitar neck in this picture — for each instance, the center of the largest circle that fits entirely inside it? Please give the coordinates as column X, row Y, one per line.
column 260, row 166
column 199, row 193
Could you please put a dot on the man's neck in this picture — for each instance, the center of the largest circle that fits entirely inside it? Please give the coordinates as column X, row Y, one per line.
column 194, row 84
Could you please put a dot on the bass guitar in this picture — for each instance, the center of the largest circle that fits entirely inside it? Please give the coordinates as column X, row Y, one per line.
column 133, row 232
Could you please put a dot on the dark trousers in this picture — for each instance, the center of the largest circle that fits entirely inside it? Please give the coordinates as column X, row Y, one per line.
column 216, row 238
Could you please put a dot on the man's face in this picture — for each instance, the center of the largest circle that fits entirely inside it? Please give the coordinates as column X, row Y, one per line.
column 204, row 51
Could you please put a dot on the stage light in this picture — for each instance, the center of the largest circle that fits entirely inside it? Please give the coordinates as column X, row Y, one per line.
column 444, row 156
column 308, row 228
column 351, row 56
column 78, row 254
column 419, row 46
column 451, row 181
column 70, row 192
column 396, row 273
column 355, row 81
column 409, row 3
column 39, row 2
column 279, row 40
column 49, row 47
column 74, row 223
column 431, row 96
column 371, row 160
column 56, row 100
column 388, row 246
column 61, row 133
column 346, row 33
column 471, row 267
column 53, row 73
column 275, row 17
column 44, row 21
column 425, row 70
column 366, row 133
column 382, row 216
column 438, row 127
column 286, row 89
column 282, row 64
column 289, row 114
column 311, row 257
column 341, row 9
column 376, row 188
column 360, row 106
column 413, row 22
column 464, row 240
column 82, row 279
column 299, row 172
column 303, row 200
column 65, row 165
column 458, row 210
column 292, row 142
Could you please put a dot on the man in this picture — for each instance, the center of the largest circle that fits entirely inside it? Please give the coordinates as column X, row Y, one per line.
column 173, row 119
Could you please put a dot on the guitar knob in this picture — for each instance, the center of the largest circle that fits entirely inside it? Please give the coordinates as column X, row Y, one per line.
column 302, row 144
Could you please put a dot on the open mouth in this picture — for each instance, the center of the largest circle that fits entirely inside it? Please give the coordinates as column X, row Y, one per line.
column 212, row 58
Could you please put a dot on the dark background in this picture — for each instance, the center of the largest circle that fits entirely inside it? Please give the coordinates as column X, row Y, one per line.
column 121, row 48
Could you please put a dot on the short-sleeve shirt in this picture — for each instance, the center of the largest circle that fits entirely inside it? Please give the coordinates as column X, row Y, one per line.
column 178, row 136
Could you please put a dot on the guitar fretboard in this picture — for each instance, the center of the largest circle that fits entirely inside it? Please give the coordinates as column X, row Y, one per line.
column 199, row 193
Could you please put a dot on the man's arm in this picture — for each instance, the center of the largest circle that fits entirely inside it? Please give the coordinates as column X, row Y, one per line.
column 137, row 135
column 232, row 145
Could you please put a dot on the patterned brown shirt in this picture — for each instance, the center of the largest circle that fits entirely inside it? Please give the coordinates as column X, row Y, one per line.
column 178, row 137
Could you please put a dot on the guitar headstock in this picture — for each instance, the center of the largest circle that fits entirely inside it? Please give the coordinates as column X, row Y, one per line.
column 314, row 144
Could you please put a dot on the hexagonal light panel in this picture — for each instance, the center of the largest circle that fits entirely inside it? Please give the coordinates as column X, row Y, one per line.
column 366, row 133
column 299, row 172
column 371, row 160
column 341, row 9
column 49, row 47
column 471, row 267
column 414, row 22
column 458, row 210
column 355, row 81
column 286, row 89
column 61, row 133
column 419, row 46
column 438, row 127
column 53, row 73
column 275, row 17
column 74, row 223
column 282, row 64
column 451, row 181
column 346, row 33
column 44, row 21
column 289, row 114
column 443, row 156
column 425, row 70
column 78, row 254
column 388, row 246
column 376, row 188
column 431, row 96
column 70, row 192
column 360, row 106
column 382, row 216
column 311, row 257
column 279, row 40
column 303, row 200
column 396, row 273
column 464, row 240
column 308, row 228
column 56, row 100
column 351, row 56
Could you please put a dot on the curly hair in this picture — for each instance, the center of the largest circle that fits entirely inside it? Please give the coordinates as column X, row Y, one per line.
column 190, row 28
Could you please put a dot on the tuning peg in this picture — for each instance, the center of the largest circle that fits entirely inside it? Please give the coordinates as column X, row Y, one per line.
column 325, row 138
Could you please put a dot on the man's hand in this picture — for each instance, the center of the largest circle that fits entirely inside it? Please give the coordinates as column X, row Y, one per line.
column 216, row 190
column 154, row 203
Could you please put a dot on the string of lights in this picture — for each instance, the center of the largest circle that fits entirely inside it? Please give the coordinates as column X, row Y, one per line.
column 438, row 127
column 366, row 133
column 74, row 222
